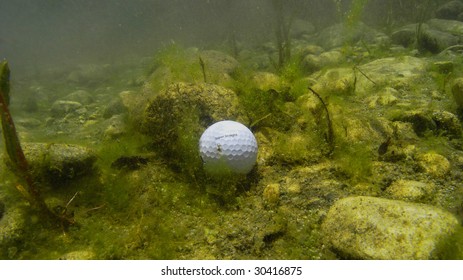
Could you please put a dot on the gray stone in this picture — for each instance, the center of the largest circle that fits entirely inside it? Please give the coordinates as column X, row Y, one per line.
column 338, row 35
column 90, row 74
column 61, row 108
column 405, row 35
column 218, row 62
column 301, row 27
column 377, row 228
column 410, row 190
column 116, row 127
column 450, row 10
column 439, row 122
column 115, row 107
column 57, row 163
column 81, row 96
column 435, row 40
column 457, row 92
column 11, row 231
column 316, row 62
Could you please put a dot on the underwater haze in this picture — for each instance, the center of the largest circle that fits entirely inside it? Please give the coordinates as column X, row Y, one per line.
column 45, row 32
column 356, row 107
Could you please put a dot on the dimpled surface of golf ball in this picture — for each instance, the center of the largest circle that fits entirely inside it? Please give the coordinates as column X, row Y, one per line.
column 228, row 146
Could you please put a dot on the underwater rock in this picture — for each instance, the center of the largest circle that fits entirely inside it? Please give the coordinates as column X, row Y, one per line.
column 405, row 35
column 439, row 122
column 386, row 97
column 410, row 190
column 29, row 122
column 391, row 71
column 90, row 74
column 267, row 81
column 58, row 163
column 310, row 49
column 218, row 62
column 11, row 231
column 339, row 34
column 447, row 124
column 450, row 10
column 116, row 127
column 271, row 193
column 78, row 255
column 178, row 116
column 81, row 96
column 377, row 228
column 301, row 27
column 435, row 35
column 457, row 92
column 434, row 164
column 115, row 107
column 313, row 62
column 420, row 121
column 435, row 41
column 444, row 67
column 452, row 27
column 61, row 108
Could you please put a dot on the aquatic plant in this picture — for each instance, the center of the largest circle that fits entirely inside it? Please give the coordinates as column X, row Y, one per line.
column 203, row 68
column 329, row 136
column 18, row 161
column 355, row 13
column 282, row 28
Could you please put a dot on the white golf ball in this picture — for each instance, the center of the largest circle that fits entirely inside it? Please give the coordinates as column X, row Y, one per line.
column 228, row 146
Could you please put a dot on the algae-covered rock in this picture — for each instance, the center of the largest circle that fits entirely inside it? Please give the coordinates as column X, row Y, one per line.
column 340, row 34
column 57, row 163
column 410, row 190
column 178, row 116
column 313, row 62
column 182, row 101
column 61, row 108
column 377, row 228
column 116, row 127
column 434, row 164
column 450, row 10
column 78, row 255
column 218, row 62
column 11, row 230
column 81, row 96
column 457, row 92
column 439, row 122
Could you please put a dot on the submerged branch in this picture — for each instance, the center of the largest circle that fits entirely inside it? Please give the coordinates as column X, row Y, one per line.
column 16, row 155
column 330, row 133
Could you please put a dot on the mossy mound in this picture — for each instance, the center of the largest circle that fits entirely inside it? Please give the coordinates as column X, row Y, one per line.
column 176, row 118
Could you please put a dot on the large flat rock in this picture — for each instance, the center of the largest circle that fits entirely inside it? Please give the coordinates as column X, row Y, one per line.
column 377, row 228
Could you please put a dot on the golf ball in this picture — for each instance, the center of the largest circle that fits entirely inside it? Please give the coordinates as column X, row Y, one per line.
column 228, row 146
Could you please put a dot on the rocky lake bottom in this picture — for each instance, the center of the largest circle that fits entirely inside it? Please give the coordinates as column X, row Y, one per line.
column 360, row 151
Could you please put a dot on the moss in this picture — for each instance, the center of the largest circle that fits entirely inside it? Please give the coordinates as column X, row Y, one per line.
column 355, row 160
column 174, row 63
column 451, row 247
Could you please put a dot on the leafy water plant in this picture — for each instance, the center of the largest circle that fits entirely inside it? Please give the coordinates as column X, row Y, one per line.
column 18, row 161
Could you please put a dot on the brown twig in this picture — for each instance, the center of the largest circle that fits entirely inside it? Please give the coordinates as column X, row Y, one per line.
column 330, row 133
column 15, row 153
